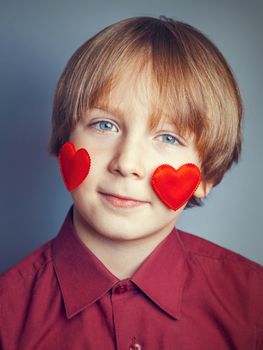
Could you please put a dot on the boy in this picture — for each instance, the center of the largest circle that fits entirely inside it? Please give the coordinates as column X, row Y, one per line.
column 146, row 120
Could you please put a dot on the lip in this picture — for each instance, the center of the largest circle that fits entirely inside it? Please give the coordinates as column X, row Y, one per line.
column 121, row 201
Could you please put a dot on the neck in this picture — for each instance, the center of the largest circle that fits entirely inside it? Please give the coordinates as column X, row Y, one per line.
column 121, row 257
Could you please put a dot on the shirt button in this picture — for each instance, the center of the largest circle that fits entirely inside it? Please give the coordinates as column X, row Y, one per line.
column 122, row 288
column 135, row 346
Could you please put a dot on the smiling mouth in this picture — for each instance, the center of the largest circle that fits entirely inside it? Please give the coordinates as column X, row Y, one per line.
column 122, row 202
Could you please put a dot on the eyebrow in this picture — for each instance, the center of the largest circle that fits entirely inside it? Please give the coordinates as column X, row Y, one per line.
column 110, row 110
column 113, row 111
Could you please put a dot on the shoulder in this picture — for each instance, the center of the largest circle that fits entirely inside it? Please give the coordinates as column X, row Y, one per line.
column 234, row 278
column 227, row 271
column 29, row 269
column 197, row 246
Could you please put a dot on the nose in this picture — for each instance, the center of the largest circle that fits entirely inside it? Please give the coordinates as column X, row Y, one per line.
column 127, row 160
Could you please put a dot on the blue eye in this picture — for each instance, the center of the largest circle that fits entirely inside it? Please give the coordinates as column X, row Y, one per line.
column 104, row 125
column 167, row 138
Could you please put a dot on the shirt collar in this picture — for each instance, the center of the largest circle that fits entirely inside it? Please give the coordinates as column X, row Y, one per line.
column 162, row 275
column 84, row 279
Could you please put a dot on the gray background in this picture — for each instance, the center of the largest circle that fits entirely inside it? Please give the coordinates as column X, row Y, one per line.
column 37, row 39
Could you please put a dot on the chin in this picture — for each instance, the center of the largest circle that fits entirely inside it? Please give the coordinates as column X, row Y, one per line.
column 123, row 235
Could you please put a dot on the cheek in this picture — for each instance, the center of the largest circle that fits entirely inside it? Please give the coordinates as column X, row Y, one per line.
column 74, row 165
column 175, row 187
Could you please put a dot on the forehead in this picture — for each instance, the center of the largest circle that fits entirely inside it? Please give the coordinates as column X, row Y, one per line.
column 134, row 91
column 137, row 89
column 134, row 85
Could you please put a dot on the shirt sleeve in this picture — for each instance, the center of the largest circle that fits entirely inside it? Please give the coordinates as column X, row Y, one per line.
column 259, row 326
column 259, row 342
column 1, row 321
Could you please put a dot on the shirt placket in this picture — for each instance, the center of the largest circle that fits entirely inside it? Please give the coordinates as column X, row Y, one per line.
column 125, row 338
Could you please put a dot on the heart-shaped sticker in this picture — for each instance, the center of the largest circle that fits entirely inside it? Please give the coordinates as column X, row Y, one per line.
column 74, row 165
column 175, row 187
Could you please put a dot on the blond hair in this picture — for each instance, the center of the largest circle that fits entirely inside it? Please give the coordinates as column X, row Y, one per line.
column 194, row 84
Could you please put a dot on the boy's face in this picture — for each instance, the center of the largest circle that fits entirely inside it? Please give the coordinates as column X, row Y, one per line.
column 124, row 153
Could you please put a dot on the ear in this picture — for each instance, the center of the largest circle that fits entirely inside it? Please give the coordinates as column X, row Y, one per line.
column 203, row 189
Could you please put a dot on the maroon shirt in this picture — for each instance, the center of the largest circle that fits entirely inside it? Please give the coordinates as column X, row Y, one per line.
column 188, row 294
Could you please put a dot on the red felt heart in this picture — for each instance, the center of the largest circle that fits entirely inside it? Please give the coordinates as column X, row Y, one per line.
column 74, row 165
column 175, row 187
